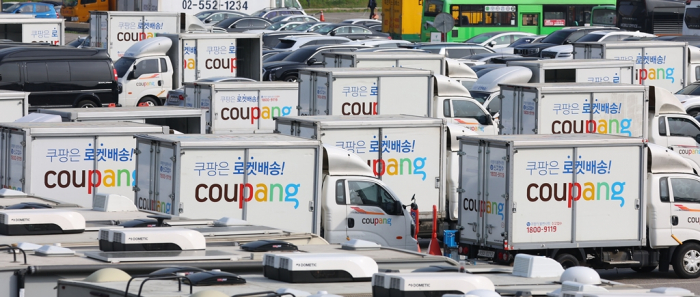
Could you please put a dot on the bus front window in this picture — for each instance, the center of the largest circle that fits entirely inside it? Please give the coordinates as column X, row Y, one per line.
column 433, row 7
column 604, row 17
column 70, row 3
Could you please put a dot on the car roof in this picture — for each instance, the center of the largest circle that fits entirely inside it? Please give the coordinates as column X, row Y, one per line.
column 322, row 46
column 228, row 21
column 52, row 53
column 313, row 37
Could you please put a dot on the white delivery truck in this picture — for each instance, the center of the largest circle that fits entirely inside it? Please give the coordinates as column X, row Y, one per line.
column 589, row 199
column 663, row 64
column 274, row 180
column 13, row 105
column 570, row 71
column 180, row 119
column 670, row 125
column 438, row 64
column 70, row 161
column 117, row 31
column 196, row 6
column 372, row 91
column 236, row 107
column 31, row 30
column 152, row 67
column 574, row 108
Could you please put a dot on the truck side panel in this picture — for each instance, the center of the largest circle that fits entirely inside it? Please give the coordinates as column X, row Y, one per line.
column 49, row 33
column 115, row 164
column 320, row 104
column 369, row 63
column 166, row 157
column 436, row 66
column 661, row 67
column 353, row 96
column 274, row 104
column 605, row 75
column 215, row 57
column 124, row 31
column 393, row 95
column 234, row 111
column 145, row 172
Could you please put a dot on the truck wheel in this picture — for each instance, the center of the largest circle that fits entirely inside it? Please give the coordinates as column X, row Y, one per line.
column 686, row 261
column 645, row 269
column 291, row 78
column 693, row 112
column 86, row 104
column 567, row 260
column 148, row 101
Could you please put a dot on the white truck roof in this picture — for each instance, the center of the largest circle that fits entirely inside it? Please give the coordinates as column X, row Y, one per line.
column 559, row 139
column 123, row 112
column 156, row 46
column 339, row 122
column 507, row 75
column 365, row 72
column 234, row 140
column 558, row 64
column 10, row 19
column 246, row 85
column 85, row 128
column 563, row 87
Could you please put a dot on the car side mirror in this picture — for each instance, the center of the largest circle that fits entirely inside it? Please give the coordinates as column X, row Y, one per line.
column 568, row 41
column 311, row 61
column 492, row 43
column 332, row 33
column 207, row 21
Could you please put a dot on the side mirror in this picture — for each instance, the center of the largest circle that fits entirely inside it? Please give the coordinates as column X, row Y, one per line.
column 311, row 61
column 207, row 21
column 492, row 43
column 332, row 33
column 130, row 76
column 568, row 41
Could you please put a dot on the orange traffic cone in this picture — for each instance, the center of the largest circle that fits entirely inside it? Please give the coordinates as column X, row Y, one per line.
column 112, row 105
column 323, row 19
column 434, row 247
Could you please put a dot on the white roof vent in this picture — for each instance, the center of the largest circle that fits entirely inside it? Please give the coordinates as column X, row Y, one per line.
column 580, row 274
column 359, row 244
column 11, row 193
column 672, row 291
column 536, row 266
column 40, row 222
column 28, row 246
column 412, row 284
column 324, row 294
column 112, row 203
column 157, row 239
column 579, row 287
column 228, row 221
column 52, row 250
column 321, row 268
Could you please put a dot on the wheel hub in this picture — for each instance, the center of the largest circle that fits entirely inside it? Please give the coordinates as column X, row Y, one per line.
column 691, row 261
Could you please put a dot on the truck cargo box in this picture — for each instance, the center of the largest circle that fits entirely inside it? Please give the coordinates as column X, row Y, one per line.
column 13, row 105
column 570, row 71
column 116, row 31
column 433, row 62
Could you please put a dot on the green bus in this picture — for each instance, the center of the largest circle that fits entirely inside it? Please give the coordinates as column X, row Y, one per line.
column 473, row 17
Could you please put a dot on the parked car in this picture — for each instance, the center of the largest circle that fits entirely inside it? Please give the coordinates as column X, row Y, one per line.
column 524, row 40
column 690, row 98
column 451, row 49
column 292, row 43
column 271, row 39
column 177, row 97
column 308, row 26
column 60, row 77
column 560, row 37
column 353, row 32
column 383, row 43
column 566, row 51
column 6, row 5
column 693, row 40
column 215, row 16
column 275, row 56
column 294, row 18
column 80, row 42
column 269, row 13
column 362, row 22
column 288, row 69
column 38, row 10
column 242, row 24
column 281, row 26
column 497, row 39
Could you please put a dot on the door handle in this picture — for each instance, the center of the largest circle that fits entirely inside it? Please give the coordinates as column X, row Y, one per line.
column 674, row 220
column 160, row 83
column 351, row 222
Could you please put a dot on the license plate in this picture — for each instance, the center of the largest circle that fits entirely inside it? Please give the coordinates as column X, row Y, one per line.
column 173, row 99
column 485, row 254
column 74, row 19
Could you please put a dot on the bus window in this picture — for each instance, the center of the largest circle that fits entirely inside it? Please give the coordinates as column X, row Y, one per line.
column 433, row 7
column 603, row 16
column 554, row 15
column 531, row 19
column 484, row 15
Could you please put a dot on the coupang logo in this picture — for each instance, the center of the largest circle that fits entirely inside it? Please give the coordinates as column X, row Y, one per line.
column 651, row 73
column 252, row 113
column 570, row 192
column 619, row 126
column 407, row 165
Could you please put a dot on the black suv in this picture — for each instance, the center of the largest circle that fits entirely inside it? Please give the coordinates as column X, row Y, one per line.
column 310, row 56
column 561, row 37
column 59, row 77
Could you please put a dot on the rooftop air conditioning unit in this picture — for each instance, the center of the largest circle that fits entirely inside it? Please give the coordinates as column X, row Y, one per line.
column 157, row 239
column 325, row 268
column 40, row 221
column 436, row 284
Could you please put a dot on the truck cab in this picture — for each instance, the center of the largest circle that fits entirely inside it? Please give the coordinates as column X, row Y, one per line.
column 453, row 102
column 670, row 126
column 145, row 73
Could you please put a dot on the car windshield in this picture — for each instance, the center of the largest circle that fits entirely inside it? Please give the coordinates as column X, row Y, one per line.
column 68, row 3
column 432, row 50
column 482, row 37
column 275, row 26
column 557, row 37
column 302, row 27
column 300, row 55
column 324, row 29
column 277, row 57
column 591, row 38
column 122, row 65
column 285, row 43
column 480, row 96
column 692, row 89
column 278, row 18
column 203, row 15
column 14, row 7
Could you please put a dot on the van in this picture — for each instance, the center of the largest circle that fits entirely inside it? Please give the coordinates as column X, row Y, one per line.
column 59, row 77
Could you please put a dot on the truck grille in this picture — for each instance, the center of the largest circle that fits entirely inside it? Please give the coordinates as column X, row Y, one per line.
column 667, row 23
column 526, row 51
column 549, row 55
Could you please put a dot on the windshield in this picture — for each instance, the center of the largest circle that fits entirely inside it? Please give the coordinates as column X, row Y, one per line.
column 302, row 27
column 480, row 96
column 591, row 38
column 275, row 26
column 468, row 109
column 481, row 37
column 13, row 7
column 285, row 43
column 203, row 15
column 605, row 17
column 557, row 37
column 277, row 57
column 122, row 65
column 69, row 3
column 324, row 29
column 300, row 55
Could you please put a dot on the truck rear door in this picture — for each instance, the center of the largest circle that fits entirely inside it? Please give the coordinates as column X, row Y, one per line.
column 471, row 189
column 216, row 57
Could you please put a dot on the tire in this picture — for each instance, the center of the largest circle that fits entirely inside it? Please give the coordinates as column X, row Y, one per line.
column 645, row 269
column 291, row 78
column 86, row 104
column 686, row 261
column 148, row 101
column 693, row 112
column 567, row 260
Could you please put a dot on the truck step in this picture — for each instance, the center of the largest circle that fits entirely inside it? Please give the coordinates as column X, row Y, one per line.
column 621, row 262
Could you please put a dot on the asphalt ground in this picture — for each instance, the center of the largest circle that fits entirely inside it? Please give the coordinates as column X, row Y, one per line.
column 628, row 276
